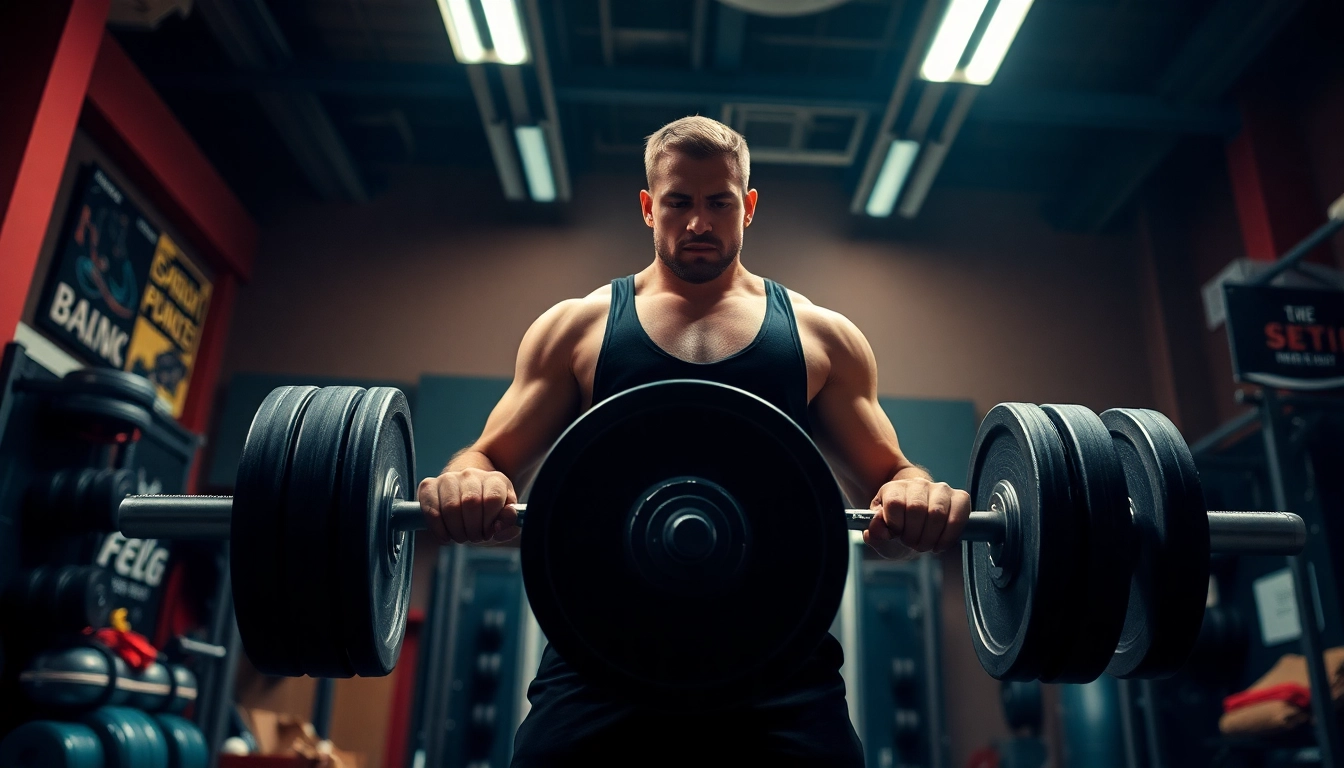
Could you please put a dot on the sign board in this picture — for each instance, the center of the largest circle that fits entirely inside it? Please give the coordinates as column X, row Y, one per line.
column 121, row 293
column 92, row 294
column 1292, row 338
column 168, row 329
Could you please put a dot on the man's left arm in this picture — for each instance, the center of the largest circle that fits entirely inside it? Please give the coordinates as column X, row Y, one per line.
column 915, row 514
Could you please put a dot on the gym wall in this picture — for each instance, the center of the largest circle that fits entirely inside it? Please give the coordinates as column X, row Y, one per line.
column 979, row 299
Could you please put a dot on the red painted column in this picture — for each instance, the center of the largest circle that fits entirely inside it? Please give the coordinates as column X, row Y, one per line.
column 397, row 740
column 1271, row 182
column 47, row 53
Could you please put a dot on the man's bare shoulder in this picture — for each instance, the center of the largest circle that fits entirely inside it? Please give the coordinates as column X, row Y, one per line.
column 575, row 317
column 831, row 328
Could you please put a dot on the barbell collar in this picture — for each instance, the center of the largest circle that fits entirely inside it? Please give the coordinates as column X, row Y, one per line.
column 175, row 517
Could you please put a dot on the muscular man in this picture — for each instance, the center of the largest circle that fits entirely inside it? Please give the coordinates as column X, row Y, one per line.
column 695, row 312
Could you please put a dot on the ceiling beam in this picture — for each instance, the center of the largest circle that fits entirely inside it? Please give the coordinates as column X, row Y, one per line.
column 1227, row 39
column 253, row 42
column 629, row 87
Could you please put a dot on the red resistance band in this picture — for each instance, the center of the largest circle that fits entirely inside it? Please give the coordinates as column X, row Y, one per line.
column 1294, row 693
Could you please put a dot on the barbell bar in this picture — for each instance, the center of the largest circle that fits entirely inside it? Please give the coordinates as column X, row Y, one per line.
column 205, row 518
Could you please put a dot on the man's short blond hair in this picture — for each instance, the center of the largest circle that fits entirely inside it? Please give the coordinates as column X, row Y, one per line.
column 701, row 138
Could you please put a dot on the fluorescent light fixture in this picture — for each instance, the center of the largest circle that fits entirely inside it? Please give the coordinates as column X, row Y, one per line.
column 506, row 31
column 994, row 43
column 900, row 156
column 462, row 32
column 536, row 162
column 949, row 42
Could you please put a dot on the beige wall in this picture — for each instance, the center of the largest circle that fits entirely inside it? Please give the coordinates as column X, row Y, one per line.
column 978, row 299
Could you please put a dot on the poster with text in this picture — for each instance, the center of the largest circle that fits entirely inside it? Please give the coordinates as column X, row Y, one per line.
column 172, row 312
column 96, row 276
column 1291, row 338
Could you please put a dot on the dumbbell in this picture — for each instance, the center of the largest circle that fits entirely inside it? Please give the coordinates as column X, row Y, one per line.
column 53, row 599
column 90, row 675
column 79, row 499
column 51, row 744
column 186, row 743
column 130, row 738
column 686, row 505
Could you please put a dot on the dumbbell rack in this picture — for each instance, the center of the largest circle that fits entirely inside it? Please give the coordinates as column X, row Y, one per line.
column 24, row 383
column 1313, row 574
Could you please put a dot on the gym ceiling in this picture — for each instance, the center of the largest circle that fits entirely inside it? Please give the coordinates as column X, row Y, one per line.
column 329, row 97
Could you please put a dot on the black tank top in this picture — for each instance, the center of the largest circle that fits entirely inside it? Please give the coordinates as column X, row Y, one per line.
column 806, row 720
column 770, row 367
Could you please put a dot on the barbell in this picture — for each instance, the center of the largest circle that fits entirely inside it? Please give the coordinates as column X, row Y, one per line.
column 686, row 544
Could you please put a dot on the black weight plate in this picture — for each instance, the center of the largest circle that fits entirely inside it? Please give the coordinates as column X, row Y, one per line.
column 49, row 744
column 108, row 413
column 375, row 573
column 1100, row 586
column 313, row 562
column 1015, row 622
column 112, row 383
column 698, row 648
column 257, row 541
column 1171, row 574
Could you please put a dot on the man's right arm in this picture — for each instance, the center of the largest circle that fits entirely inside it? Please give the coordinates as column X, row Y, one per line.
column 468, row 501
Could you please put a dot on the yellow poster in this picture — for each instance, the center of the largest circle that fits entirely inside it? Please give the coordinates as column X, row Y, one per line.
column 168, row 328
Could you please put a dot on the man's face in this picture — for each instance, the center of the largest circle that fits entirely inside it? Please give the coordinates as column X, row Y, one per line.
column 697, row 211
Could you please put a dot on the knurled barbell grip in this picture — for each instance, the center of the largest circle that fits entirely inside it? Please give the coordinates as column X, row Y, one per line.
column 983, row 526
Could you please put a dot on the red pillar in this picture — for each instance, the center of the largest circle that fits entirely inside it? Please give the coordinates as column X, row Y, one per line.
column 47, row 52
column 1271, row 182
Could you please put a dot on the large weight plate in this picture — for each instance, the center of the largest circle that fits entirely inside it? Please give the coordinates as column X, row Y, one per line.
column 1171, row 575
column 375, row 566
column 312, row 565
column 1100, row 586
column 1014, row 614
column 257, row 543
column 692, row 647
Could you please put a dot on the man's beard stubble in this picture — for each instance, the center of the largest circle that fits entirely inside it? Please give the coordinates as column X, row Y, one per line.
column 699, row 271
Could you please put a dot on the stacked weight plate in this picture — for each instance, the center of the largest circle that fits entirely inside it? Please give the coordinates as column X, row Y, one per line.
column 321, row 585
column 1106, row 567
